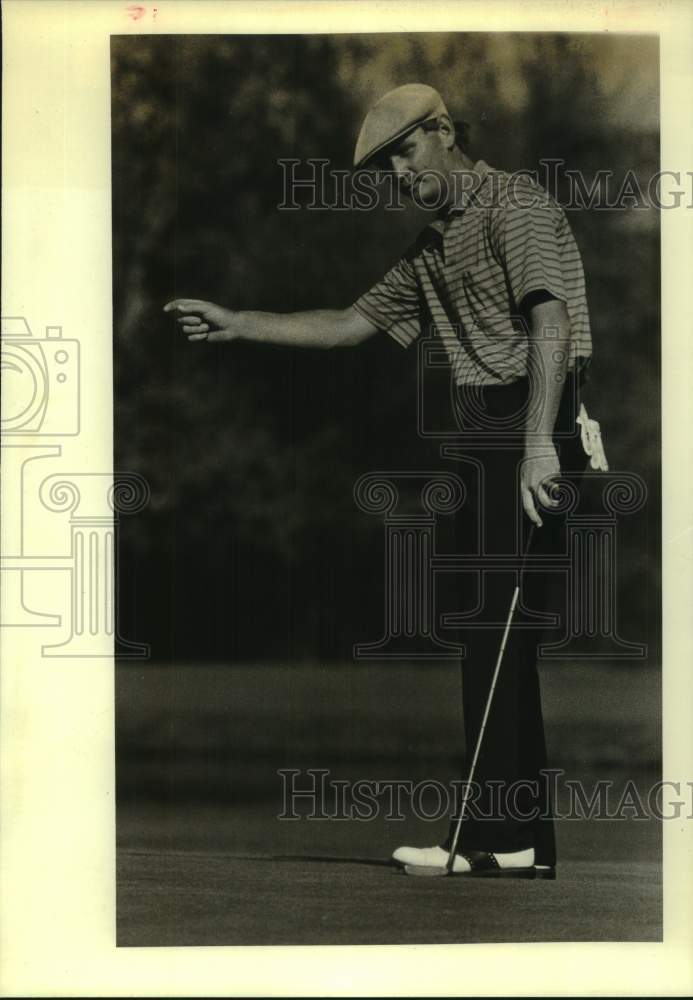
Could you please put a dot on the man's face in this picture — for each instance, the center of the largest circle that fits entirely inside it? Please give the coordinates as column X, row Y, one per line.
column 414, row 160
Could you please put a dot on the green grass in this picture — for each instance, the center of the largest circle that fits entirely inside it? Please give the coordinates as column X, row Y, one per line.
column 204, row 860
column 202, row 725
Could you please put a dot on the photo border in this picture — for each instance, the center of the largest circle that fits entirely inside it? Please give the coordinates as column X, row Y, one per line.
column 57, row 821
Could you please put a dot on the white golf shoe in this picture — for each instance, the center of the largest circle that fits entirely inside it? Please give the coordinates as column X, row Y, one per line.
column 470, row 861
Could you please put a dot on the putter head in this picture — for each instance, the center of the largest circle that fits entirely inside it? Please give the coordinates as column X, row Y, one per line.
column 425, row 871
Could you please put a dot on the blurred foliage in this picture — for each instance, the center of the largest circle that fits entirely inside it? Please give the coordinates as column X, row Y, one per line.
column 252, row 544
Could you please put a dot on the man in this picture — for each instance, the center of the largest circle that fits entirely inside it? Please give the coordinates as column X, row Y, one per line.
column 499, row 277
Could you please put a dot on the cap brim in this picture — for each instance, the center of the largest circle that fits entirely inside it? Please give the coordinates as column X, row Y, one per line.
column 365, row 163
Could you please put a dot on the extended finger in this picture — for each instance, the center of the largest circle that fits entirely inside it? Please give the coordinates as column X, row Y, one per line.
column 183, row 304
column 530, row 509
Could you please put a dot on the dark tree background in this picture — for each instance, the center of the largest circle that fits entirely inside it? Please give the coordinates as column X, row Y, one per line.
column 252, row 546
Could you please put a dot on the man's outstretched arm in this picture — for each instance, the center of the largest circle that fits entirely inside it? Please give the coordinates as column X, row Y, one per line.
column 200, row 320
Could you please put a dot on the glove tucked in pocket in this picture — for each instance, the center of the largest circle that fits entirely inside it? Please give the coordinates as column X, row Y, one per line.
column 592, row 440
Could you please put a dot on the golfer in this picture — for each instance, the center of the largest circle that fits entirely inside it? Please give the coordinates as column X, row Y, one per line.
column 498, row 276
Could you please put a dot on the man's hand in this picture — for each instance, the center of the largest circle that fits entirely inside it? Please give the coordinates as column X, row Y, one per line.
column 201, row 320
column 539, row 470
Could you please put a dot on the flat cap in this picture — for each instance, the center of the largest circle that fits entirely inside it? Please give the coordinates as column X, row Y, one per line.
column 395, row 114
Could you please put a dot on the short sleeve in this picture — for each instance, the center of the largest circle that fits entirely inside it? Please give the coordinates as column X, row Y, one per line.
column 393, row 303
column 525, row 234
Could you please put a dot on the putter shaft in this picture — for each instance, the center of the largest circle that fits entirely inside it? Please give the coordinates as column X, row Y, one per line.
column 487, row 709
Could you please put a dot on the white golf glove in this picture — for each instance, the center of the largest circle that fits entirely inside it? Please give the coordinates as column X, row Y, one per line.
column 592, row 440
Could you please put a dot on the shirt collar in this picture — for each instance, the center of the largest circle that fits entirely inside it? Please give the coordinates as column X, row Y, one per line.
column 468, row 183
column 467, row 191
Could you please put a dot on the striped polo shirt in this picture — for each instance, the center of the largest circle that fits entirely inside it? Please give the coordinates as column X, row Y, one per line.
column 468, row 274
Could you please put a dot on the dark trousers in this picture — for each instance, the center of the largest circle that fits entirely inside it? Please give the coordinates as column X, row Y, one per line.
column 509, row 807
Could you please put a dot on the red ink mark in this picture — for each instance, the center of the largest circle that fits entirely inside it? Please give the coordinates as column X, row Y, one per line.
column 135, row 12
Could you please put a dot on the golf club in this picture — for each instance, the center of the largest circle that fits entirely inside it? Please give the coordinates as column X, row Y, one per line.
column 429, row 871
